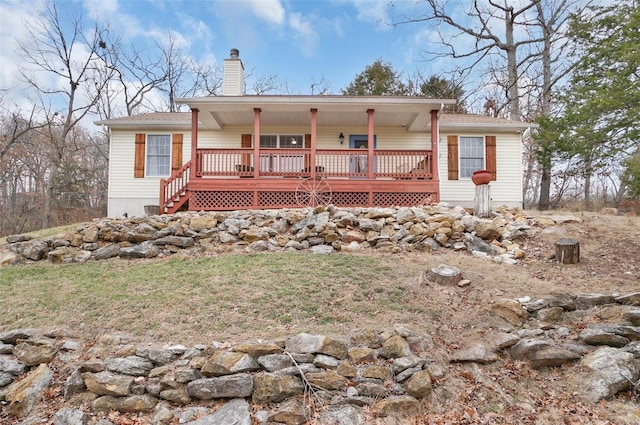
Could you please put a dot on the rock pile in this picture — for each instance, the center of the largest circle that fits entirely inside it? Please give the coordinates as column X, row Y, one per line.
column 320, row 230
column 335, row 379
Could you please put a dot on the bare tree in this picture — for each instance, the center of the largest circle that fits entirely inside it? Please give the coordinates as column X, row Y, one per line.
column 135, row 75
column 320, row 87
column 519, row 47
column 62, row 48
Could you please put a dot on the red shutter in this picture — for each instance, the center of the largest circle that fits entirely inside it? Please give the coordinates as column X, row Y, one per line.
column 138, row 162
column 452, row 157
column 176, row 152
column 490, row 152
column 245, row 142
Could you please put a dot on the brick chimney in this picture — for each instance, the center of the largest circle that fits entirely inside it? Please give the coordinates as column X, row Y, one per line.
column 233, row 79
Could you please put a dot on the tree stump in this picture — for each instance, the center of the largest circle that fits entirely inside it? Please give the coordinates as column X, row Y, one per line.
column 444, row 275
column 567, row 251
column 482, row 201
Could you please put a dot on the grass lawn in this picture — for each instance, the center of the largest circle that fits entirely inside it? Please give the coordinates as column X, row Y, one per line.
column 225, row 297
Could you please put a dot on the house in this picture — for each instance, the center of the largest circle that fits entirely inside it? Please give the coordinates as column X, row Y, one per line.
column 239, row 152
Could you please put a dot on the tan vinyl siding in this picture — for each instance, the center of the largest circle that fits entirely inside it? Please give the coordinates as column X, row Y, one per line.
column 126, row 192
column 505, row 190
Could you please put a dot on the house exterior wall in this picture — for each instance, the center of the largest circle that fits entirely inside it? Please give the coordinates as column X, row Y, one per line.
column 128, row 194
column 505, row 190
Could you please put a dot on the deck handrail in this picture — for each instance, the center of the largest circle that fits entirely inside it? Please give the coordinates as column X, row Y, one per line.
column 175, row 186
column 336, row 163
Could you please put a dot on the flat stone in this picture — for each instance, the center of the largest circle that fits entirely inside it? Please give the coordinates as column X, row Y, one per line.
column 274, row 362
column 343, row 415
column 108, row 251
column 234, row 412
column 362, row 354
column 510, row 310
column 32, row 355
column 67, row 416
column 270, row 388
column 375, row 371
column 632, row 317
column 231, row 386
column 476, row 353
column 328, row 380
column 419, row 385
column 12, row 337
column 403, row 405
column 594, row 336
column 607, row 371
column 131, row 365
column 132, row 404
column 291, row 412
column 552, row 356
column 550, row 315
column 227, row 363
column 11, row 365
column 395, row 347
column 107, row 383
column 525, row 349
column 586, row 301
column 24, row 395
column 257, row 350
column 630, row 299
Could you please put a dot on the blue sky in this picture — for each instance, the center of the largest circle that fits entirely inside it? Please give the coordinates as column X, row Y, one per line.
column 299, row 41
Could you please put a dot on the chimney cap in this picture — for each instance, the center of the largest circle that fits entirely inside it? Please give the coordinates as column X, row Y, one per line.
column 235, row 53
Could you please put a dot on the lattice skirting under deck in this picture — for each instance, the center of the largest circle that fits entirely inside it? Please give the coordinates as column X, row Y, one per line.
column 231, row 200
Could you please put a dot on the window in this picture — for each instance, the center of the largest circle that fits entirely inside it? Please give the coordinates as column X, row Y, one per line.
column 471, row 155
column 158, row 155
column 282, row 141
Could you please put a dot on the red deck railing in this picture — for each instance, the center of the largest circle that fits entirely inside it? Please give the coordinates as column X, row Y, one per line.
column 334, row 163
column 173, row 189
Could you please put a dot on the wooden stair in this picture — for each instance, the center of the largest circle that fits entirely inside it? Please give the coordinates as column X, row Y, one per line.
column 174, row 191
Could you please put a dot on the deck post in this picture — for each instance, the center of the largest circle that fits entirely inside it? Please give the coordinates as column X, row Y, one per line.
column 256, row 150
column 312, row 157
column 435, row 131
column 161, row 197
column 194, row 143
column 370, row 142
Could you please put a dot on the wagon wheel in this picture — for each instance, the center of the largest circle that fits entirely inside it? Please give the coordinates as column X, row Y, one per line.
column 313, row 192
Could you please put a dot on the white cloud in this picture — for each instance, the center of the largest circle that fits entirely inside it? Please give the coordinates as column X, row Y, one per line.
column 305, row 33
column 16, row 18
column 375, row 11
column 99, row 10
column 271, row 11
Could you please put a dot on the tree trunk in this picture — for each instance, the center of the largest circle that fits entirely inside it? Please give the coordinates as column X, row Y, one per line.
column 567, row 251
column 545, row 187
column 512, row 68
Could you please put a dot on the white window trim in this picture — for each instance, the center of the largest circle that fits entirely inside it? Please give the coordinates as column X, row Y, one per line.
column 300, row 141
column 146, row 154
column 484, row 153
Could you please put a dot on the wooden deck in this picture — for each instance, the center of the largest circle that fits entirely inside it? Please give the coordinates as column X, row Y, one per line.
column 229, row 179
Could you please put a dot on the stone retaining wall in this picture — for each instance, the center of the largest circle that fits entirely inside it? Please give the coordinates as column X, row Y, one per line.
column 339, row 379
column 322, row 230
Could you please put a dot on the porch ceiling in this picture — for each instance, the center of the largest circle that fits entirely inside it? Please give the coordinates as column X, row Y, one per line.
column 410, row 113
